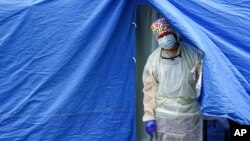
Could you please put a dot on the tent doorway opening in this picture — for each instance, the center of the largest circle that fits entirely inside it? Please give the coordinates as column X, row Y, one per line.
column 145, row 45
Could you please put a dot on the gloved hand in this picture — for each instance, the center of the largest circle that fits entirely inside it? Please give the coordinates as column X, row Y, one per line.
column 150, row 127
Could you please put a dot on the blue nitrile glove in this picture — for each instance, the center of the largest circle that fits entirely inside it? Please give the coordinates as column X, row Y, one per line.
column 150, row 127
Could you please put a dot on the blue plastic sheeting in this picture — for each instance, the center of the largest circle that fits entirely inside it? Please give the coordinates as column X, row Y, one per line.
column 141, row 2
column 221, row 30
column 67, row 70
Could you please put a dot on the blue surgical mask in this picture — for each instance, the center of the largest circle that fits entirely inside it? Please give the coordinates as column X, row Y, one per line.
column 167, row 42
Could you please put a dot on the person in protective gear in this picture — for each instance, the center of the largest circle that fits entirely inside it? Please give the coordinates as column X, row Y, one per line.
column 170, row 77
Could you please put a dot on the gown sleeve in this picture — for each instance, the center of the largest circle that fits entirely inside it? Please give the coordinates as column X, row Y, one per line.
column 149, row 90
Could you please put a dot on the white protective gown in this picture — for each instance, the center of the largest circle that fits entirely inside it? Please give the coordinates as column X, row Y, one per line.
column 170, row 95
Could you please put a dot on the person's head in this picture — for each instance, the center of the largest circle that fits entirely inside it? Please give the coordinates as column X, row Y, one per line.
column 164, row 33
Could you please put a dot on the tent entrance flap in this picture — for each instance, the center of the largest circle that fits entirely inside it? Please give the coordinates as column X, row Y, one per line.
column 220, row 29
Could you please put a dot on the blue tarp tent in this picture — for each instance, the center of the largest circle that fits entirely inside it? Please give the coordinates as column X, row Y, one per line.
column 67, row 66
